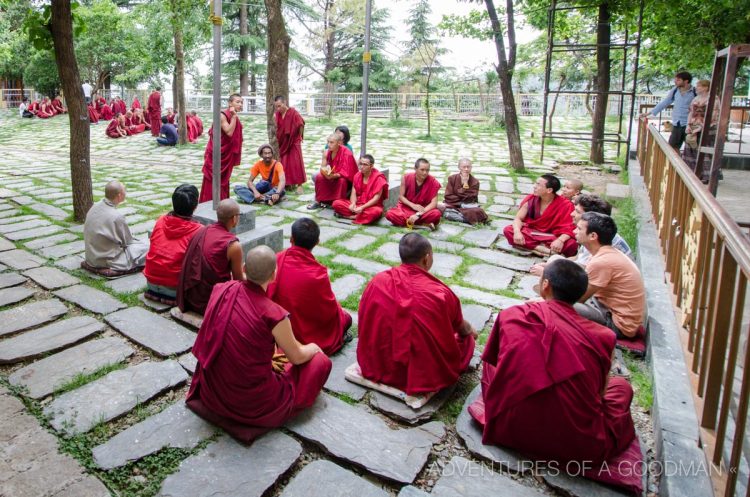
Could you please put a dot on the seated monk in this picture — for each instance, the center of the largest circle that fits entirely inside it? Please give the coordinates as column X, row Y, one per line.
column 213, row 256
column 169, row 241
column 461, row 201
column 105, row 112
column 303, row 288
column 571, row 189
column 369, row 190
column 198, row 122
column 136, row 104
column 236, row 384
column 545, row 386
column 335, row 178
column 116, row 127
column 543, row 221
column 58, row 106
column 615, row 296
column 192, row 128
column 417, row 199
column 109, row 243
column 139, row 119
column 170, row 115
column 34, row 107
column 45, row 109
column 412, row 334
column 131, row 124
column 93, row 114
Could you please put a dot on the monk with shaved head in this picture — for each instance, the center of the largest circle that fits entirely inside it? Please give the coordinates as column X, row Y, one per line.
column 235, row 385
column 213, row 256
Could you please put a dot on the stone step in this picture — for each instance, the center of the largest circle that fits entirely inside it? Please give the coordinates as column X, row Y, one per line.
column 269, row 235
column 29, row 315
column 11, row 279
column 51, row 278
column 175, row 426
column 90, row 299
column 526, row 285
column 394, row 187
column 336, row 381
column 398, row 410
column 357, row 242
column 353, row 434
column 326, row 478
column 17, row 219
column 162, row 336
column 112, row 396
column 230, row 469
column 42, row 377
column 50, row 210
column 20, row 259
column 154, row 305
column 205, row 214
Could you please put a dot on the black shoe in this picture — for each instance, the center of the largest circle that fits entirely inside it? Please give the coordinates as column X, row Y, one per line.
column 348, row 337
column 315, row 205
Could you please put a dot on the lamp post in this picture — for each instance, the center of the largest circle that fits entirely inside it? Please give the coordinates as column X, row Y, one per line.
column 215, row 17
column 366, row 58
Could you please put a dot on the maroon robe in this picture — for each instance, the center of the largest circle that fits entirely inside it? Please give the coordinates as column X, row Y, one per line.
column 543, row 379
column 58, row 106
column 198, row 124
column 99, row 102
column 45, row 111
column 231, row 155
column 106, row 112
column 289, row 135
column 205, row 265
column 153, row 108
column 192, row 128
column 121, row 107
column 93, row 115
column 544, row 228
column 365, row 192
column 419, row 195
column 234, row 385
column 456, row 194
column 113, row 129
column 408, row 331
column 136, row 103
column 34, row 107
column 303, row 287
column 327, row 190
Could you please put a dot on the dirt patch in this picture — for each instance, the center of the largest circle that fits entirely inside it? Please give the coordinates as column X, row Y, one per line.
column 594, row 179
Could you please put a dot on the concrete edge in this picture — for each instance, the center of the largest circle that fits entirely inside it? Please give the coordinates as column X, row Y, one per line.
column 685, row 470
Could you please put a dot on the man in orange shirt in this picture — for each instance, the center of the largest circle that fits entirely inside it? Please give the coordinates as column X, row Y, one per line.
column 270, row 188
column 615, row 296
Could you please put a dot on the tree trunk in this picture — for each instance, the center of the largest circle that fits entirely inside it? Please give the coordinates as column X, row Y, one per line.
column 587, row 101
column 174, row 89
column 179, row 87
column 243, row 50
column 504, row 70
column 61, row 26
column 277, row 76
column 603, row 33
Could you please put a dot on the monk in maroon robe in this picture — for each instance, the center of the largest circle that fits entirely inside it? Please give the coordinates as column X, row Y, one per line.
column 34, row 107
column 235, row 384
column 412, row 334
column 290, row 130
column 93, row 114
column 303, row 287
column 213, row 256
column 99, row 101
column 417, row 199
column 58, row 106
column 116, row 127
column 136, row 104
column 45, row 109
column 335, row 178
column 231, row 150
column 369, row 190
column 105, row 112
column 461, row 199
column 546, row 390
column 198, row 122
column 153, row 107
column 139, row 119
column 192, row 128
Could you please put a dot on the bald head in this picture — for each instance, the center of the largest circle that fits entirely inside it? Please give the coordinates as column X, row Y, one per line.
column 113, row 189
column 260, row 265
column 228, row 208
column 413, row 247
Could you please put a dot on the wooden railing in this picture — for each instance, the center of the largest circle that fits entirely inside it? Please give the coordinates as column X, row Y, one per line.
column 707, row 260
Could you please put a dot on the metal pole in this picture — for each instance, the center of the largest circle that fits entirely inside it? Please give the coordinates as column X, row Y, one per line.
column 216, row 186
column 366, row 58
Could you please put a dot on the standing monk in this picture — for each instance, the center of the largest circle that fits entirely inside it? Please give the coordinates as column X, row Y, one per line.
column 153, row 107
column 335, row 178
column 290, row 129
column 231, row 150
column 417, row 199
column 543, row 223
column 370, row 188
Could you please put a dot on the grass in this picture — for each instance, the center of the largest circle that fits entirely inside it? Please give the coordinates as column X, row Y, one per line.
column 626, row 218
column 82, row 379
column 640, row 378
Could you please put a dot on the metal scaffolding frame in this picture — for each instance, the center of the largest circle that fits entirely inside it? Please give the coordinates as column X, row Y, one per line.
column 628, row 43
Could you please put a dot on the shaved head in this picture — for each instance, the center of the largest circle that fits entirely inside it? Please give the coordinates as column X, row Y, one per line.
column 113, row 189
column 413, row 247
column 575, row 184
column 260, row 264
column 228, row 208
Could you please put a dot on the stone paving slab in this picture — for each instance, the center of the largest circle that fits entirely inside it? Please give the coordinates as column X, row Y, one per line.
column 361, row 265
column 329, row 232
column 31, row 464
column 51, row 278
column 352, row 434
column 6, row 245
column 127, row 284
column 175, row 426
column 398, row 410
column 526, row 285
column 227, row 468
column 20, row 259
column 16, row 219
column 464, row 478
column 50, row 211
column 112, row 396
column 491, row 299
column 477, row 315
column 42, row 377
column 480, row 237
column 190, row 318
column 14, row 295
column 188, row 362
column 162, row 336
column 502, row 259
column 347, row 285
column 326, row 478
column 90, row 299
column 489, row 277
column 154, row 305
column 336, row 381
column 9, row 213
column 29, row 315
column 55, row 336
column 357, row 242
column 24, row 225
column 58, row 251
column 48, row 241
column 11, row 279
column 33, row 233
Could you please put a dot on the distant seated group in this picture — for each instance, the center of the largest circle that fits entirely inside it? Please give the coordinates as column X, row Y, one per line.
column 43, row 108
column 168, row 133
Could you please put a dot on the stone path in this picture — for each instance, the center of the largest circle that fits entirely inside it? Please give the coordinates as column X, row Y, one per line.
column 87, row 352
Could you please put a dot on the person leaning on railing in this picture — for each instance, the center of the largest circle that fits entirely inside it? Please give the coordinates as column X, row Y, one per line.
column 679, row 97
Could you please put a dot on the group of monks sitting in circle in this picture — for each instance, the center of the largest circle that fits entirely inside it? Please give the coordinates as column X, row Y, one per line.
column 43, row 108
column 271, row 321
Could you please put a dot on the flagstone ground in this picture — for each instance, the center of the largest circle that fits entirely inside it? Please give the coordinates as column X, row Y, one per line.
column 100, row 369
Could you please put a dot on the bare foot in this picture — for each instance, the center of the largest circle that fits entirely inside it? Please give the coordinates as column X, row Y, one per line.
column 300, row 190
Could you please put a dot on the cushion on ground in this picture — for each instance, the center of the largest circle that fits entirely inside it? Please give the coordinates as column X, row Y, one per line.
column 636, row 345
column 354, row 374
column 107, row 272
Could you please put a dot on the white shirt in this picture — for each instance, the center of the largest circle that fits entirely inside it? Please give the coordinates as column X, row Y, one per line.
column 87, row 90
column 22, row 108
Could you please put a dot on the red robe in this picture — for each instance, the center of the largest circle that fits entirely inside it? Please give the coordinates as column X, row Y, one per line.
column 169, row 242
column 544, row 372
column 375, row 184
column 302, row 286
column 106, row 112
column 153, row 108
column 192, row 128
column 113, row 129
column 205, row 264
column 198, row 124
column 99, row 102
column 429, row 190
column 231, row 155
column 170, row 118
column 408, row 331
column 121, row 107
column 543, row 228
column 34, row 107
column 289, row 135
column 45, row 111
column 234, row 385
column 136, row 103
column 329, row 190
column 58, row 106
column 133, row 126
column 93, row 115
